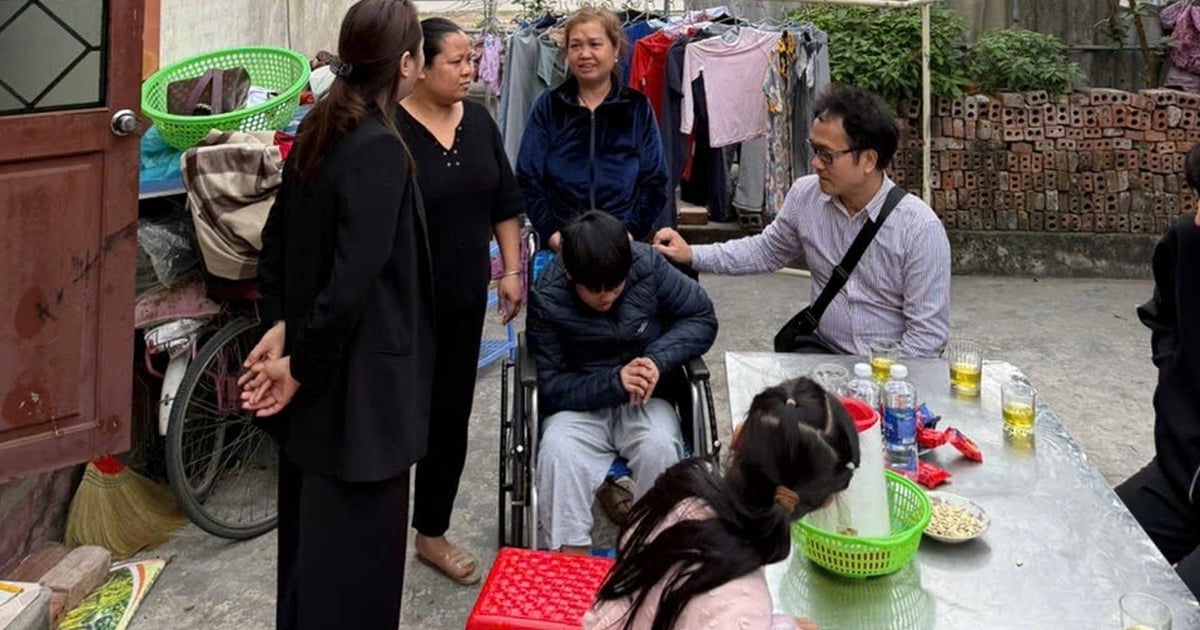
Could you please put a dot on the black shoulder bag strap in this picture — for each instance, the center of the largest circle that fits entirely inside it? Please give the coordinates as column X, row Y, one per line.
column 841, row 273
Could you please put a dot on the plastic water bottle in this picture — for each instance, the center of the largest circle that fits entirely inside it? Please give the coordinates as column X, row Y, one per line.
column 900, row 423
column 863, row 387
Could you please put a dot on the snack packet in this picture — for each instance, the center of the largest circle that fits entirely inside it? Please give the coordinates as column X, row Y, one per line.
column 964, row 444
column 930, row 438
column 931, row 476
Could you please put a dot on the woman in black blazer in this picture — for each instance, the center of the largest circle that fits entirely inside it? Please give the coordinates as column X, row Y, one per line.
column 346, row 365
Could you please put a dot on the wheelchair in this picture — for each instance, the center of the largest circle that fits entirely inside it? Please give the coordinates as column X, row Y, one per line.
column 688, row 389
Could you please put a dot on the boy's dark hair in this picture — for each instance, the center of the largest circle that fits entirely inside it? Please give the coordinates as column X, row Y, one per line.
column 596, row 251
column 797, row 436
column 868, row 122
column 1191, row 168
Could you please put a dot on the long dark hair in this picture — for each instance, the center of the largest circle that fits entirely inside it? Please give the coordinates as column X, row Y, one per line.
column 374, row 37
column 795, row 436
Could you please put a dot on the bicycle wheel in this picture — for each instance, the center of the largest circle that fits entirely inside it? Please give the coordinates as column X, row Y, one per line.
column 222, row 468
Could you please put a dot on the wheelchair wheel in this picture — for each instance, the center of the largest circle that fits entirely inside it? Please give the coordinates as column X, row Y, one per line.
column 222, row 468
column 514, row 468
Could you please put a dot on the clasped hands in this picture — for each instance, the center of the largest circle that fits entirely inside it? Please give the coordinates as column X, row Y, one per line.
column 638, row 378
column 267, row 385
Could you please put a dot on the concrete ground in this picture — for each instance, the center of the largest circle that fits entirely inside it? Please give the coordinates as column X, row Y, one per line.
column 1079, row 341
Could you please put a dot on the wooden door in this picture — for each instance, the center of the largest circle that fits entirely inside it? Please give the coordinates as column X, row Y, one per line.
column 68, row 228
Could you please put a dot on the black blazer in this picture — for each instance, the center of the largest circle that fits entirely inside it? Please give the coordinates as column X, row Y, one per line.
column 1171, row 316
column 345, row 263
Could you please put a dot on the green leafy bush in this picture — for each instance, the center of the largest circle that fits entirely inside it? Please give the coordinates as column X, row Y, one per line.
column 880, row 49
column 1018, row 60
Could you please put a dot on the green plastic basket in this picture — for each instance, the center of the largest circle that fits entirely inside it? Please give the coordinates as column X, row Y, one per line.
column 276, row 69
column 855, row 557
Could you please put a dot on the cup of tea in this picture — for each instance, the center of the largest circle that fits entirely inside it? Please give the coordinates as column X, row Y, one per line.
column 965, row 358
column 884, row 352
column 1018, row 403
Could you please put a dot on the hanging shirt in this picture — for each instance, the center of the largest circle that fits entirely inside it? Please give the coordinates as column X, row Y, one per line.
column 777, row 87
column 734, row 66
column 632, row 34
column 489, row 62
column 809, row 79
column 649, row 67
column 534, row 63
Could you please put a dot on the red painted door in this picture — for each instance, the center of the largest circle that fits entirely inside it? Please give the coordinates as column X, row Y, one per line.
column 68, row 228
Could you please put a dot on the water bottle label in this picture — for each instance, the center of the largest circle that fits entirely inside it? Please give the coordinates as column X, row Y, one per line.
column 899, row 426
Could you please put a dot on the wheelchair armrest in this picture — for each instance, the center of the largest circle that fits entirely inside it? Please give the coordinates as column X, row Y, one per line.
column 526, row 369
column 696, row 369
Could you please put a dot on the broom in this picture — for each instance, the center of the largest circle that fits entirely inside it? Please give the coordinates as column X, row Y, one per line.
column 120, row 510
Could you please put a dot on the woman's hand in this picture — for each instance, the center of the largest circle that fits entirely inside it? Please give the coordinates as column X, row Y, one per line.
column 274, row 390
column 510, row 297
column 555, row 242
column 270, row 347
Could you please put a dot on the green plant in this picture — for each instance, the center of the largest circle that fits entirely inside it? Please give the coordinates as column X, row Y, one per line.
column 880, row 49
column 1019, row 60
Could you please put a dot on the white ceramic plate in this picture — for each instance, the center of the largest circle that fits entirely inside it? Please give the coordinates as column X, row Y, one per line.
column 937, row 497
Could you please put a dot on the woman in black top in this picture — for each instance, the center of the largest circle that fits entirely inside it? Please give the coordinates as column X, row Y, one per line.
column 470, row 195
column 347, row 287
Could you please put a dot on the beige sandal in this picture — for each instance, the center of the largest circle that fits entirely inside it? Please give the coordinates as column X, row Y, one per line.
column 455, row 564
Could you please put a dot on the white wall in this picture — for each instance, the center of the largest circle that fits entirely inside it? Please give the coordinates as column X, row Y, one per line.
column 191, row 27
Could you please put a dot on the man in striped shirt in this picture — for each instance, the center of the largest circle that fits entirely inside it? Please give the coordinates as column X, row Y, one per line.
column 900, row 289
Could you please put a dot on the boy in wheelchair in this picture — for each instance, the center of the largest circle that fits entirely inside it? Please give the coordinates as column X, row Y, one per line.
column 606, row 320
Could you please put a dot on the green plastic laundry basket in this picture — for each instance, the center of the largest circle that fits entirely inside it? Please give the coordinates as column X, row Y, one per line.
column 855, row 557
column 276, row 69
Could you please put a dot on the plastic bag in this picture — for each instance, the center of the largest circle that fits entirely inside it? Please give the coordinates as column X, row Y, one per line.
column 170, row 244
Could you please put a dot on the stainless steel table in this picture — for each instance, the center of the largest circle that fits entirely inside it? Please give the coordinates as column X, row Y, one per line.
column 1061, row 550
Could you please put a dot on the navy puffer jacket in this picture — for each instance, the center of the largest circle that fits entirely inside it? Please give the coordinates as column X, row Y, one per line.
column 662, row 315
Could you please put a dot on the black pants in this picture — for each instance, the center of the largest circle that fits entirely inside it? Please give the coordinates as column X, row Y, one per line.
column 1172, row 522
column 457, row 358
column 341, row 551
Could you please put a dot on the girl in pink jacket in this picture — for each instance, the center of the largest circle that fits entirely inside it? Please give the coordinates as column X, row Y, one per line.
column 693, row 554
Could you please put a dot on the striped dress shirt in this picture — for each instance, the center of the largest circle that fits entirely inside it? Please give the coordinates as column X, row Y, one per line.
column 900, row 289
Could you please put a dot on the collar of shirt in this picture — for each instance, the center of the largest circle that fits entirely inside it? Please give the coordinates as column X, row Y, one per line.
column 874, row 206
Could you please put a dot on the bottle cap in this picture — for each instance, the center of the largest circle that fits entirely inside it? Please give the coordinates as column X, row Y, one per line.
column 862, row 370
column 899, row 371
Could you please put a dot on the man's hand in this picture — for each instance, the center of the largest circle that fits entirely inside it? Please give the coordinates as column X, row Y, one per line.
column 639, row 378
column 555, row 242
column 271, row 387
column 669, row 243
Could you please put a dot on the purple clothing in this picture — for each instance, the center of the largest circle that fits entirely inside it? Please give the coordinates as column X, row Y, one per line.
column 1183, row 19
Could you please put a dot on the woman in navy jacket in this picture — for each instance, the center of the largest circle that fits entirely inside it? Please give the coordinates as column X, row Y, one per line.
column 592, row 143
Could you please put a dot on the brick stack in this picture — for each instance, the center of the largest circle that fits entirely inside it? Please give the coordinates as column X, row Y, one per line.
column 1098, row 160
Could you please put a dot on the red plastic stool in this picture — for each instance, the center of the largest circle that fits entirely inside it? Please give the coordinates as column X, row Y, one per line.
column 537, row 590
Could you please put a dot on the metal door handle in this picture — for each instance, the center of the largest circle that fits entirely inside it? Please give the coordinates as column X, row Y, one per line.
column 124, row 122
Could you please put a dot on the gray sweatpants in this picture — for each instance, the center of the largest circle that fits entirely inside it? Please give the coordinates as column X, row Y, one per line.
column 578, row 448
